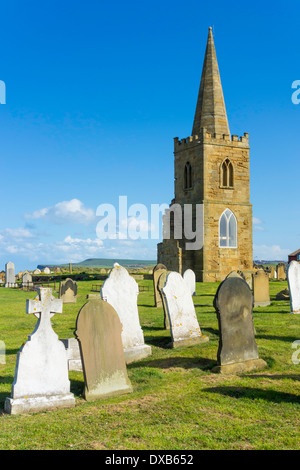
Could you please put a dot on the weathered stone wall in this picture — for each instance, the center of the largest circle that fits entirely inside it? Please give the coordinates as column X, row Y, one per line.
column 206, row 154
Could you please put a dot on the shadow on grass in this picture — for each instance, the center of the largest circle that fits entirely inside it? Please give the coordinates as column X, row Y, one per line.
column 255, row 394
column 288, row 339
column 4, row 395
column 264, row 310
column 11, row 352
column 77, row 387
column 152, row 328
column 203, row 305
column 205, row 295
column 213, row 331
column 181, row 362
column 275, row 377
column 159, row 341
column 147, row 305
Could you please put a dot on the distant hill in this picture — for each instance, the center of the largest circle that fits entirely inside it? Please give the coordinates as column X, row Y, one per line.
column 107, row 263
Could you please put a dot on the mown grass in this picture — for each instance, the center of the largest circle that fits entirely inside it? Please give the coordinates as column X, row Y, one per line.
column 177, row 402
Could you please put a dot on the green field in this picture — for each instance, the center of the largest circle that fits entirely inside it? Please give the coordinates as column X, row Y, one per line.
column 177, row 402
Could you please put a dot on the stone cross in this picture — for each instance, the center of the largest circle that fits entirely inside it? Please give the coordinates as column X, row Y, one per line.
column 44, row 306
column 41, row 376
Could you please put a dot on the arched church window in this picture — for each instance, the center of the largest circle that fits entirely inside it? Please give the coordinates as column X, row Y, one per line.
column 226, row 176
column 187, row 176
column 228, row 230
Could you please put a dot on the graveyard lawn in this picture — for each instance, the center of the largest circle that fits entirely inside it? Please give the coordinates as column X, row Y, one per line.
column 177, row 402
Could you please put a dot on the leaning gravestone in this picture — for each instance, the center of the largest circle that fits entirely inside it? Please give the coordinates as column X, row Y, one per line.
column 184, row 326
column 68, row 291
column 98, row 329
column 237, row 350
column 10, row 279
column 261, row 289
column 161, row 283
column 190, row 278
column 283, row 295
column 121, row 291
column 157, row 271
column 41, row 378
column 293, row 277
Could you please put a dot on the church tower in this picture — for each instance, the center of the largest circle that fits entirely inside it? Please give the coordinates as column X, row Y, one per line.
column 211, row 172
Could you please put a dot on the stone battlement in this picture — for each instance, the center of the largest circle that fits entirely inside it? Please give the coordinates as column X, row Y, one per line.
column 206, row 137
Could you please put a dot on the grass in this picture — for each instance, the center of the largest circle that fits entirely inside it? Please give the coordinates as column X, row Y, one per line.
column 177, row 402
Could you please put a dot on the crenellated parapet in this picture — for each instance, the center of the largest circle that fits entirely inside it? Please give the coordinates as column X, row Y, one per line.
column 215, row 139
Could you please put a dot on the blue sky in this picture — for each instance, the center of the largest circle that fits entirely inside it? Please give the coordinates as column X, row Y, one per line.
column 95, row 93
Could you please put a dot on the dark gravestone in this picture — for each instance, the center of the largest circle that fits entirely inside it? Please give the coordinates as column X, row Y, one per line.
column 98, row 330
column 237, row 347
column 160, row 284
column 157, row 271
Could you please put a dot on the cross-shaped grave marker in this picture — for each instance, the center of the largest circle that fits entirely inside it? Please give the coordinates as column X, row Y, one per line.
column 41, row 376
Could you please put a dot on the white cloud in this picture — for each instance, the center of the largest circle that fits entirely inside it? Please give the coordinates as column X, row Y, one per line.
column 72, row 211
column 16, row 233
column 257, row 224
column 274, row 252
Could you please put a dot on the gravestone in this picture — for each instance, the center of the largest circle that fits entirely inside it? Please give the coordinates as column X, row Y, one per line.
column 293, row 277
column 236, row 274
column 283, row 295
column 184, row 326
column 161, row 283
column 281, row 275
column 237, row 350
column 73, row 354
column 10, row 279
column 37, row 271
column 157, row 271
column 99, row 329
column 261, row 289
column 41, row 377
column 120, row 290
column 46, row 270
column 27, row 280
column 68, row 291
column 190, row 278
column 272, row 272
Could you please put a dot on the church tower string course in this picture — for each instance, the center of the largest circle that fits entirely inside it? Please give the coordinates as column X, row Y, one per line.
column 211, row 169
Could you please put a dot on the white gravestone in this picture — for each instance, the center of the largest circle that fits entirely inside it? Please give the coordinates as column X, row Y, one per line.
column 184, row 326
column 190, row 278
column 46, row 270
column 293, row 278
column 41, row 377
column 10, row 279
column 121, row 291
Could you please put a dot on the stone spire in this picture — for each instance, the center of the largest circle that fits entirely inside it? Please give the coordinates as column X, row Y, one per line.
column 210, row 111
